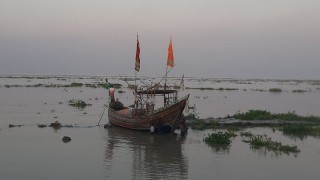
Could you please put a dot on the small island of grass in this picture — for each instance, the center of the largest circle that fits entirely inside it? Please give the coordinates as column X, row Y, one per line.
column 219, row 138
column 78, row 103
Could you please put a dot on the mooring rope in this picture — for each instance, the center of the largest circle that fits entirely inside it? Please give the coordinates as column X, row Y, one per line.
column 105, row 107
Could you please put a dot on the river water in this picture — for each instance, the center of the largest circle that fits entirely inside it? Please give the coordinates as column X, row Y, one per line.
column 29, row 152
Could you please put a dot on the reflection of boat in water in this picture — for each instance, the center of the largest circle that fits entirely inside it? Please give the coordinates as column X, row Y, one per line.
column 141, row 156
column 142, row 115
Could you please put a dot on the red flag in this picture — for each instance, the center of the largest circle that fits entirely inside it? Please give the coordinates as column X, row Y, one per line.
column 137, row 65
column 170, row 55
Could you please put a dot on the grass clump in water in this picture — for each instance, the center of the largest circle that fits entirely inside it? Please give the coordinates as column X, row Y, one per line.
column 300, row 130
column 210, row 88
column 266, row 115
column 288, row 116
column 42, row 125
column 55, row 125
column 254, row 115
column 298, row 91
column 201, row 88
column 264, row 142
column 261, row 90
column 246, row 134
column 12, row 125
column 227, row 89
column 219, row 138
column 74, row 84
column 199, row 126
column 78, row 103
column 275, row 90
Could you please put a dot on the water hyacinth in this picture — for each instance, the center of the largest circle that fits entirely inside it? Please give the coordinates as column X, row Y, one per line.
column 78, row 103
column 219, row 138
column 264, row 142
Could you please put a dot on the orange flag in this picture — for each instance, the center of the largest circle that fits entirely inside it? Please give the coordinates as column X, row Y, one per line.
column 137, row 65
column 170, row 55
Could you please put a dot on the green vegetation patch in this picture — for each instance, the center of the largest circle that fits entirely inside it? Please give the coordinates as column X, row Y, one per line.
column 55, row 125
column 78, row 103
column 246, row 134
column 266, row 115
column 42, row 125
column 219, row 138
column 13, row 125
column 301, row 130
column 264, row 142
column 261, row 90
column 275, row 90
column 298, row 91
column 201, row 88
column 218, row 89
column 199, row 125
column 254, row 115
column 74, row 84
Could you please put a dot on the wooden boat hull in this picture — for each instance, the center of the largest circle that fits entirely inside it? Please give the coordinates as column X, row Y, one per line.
column 169, row 117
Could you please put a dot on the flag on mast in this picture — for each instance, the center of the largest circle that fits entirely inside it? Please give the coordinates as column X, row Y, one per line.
column 137, row 65
column 170, row 54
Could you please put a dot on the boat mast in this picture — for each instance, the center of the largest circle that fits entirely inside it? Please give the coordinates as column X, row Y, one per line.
column 165, row 78
column 170, row 62
column 137, row 69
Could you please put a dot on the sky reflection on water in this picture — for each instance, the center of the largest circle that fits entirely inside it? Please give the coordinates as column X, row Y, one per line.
column 29, row 152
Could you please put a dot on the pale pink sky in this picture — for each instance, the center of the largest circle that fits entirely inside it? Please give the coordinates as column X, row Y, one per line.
column 211, row 38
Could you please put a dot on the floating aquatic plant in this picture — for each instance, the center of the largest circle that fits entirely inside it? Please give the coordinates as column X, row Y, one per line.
column 78, row 103
column 42, row 125
column 254, row 115
column 266, row 115
column 13, row 125
column 246, row 134
column 219, row 138
column 275, row 90
column 75, row 84
column 299, row 91
column 301, row 130
column 266, row 143
column 210, row 88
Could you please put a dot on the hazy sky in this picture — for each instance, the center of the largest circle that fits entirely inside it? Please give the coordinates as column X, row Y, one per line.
column 211, row 38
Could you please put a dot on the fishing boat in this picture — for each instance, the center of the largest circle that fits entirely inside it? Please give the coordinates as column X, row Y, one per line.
column 144, row 114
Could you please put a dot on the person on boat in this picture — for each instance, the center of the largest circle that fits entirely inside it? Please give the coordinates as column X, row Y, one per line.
column 108, row 86
column 111, row 93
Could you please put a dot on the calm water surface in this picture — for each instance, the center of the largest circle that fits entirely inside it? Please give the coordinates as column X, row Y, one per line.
column 29, row 152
